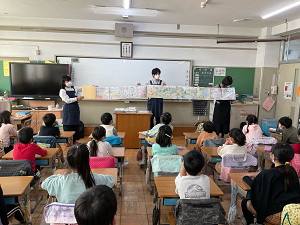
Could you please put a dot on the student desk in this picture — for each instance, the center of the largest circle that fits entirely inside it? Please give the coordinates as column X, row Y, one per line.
column 276, row 136
column 20, row 120
column 149, row 167
column 190, row 138
column 142, row 140
column 262, row 156
column 39, row 160
column 65, row 137
column 132, row 123
column 165, row 187
column 211, row 154
column 120, row 134
column 105, row 171
column 119, row 153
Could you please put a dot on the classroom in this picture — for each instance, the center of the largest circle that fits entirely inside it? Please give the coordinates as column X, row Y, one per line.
column 139, row 61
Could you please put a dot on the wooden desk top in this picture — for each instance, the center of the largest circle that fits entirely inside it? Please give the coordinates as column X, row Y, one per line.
column 141, row 136
column 137, row 113
column 262, row 149
column 238, row 179
column 211, row 151
column 66, row 134
column 166, row 187
column 105, row 171
column 22, row 118
column 181, row 152
column 50, row 154
column 191, row 135
column 120, row 134
column 119, row 152
column 276, row 134
column 14, row 186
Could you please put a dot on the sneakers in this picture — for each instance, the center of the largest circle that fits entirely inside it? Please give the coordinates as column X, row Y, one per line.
column 125, row 163
column 143, row 162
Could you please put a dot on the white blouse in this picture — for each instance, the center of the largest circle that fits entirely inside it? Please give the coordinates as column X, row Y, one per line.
column 63, row 95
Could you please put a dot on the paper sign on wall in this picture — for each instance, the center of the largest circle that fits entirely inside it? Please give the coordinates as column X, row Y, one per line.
column 288, row 88
column 298, row 91
column 6, row 68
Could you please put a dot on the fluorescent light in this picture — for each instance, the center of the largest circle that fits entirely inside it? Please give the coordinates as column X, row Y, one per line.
column 122, row 11
column 281, row 9
column 126, row 4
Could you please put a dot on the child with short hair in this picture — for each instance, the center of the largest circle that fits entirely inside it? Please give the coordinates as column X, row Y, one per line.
column 25, row 149
column 97, row 205
column 6, row 130
column 98, row 148
column 163, row 145
column 165, row 119
column 190, row 183
column 289, row 133
column 251, row 130
column 208, row 133
column 107, row 121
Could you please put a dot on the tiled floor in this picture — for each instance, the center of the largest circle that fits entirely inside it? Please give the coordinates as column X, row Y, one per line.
column 136, row 204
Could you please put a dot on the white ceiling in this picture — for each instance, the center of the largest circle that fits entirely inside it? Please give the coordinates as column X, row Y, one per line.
column 184, row 12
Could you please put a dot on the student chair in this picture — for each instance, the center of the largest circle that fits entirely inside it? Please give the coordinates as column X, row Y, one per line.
column 26, row 123
column 102, row 162
column 114, row 141
column 209, row 142
column 21, row 168
column 199, row 211
column 60, row 214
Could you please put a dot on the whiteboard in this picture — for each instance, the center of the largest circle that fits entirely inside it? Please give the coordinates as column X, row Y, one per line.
column 125, row 72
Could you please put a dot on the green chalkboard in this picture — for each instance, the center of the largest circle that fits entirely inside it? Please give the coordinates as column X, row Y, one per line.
column 203, row 77
column 243, row 80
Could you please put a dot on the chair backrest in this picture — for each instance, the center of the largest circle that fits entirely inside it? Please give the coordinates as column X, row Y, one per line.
column 114, row 141
column 102, row 162
column 166, row 164
column 5, row 105
column 15, row 168
column 261, row 141
column 26, row 123
column 60, row 213
column 238, row 160
column 50, row 140
column 295, row 163
column 199, row 211
column 209, row 142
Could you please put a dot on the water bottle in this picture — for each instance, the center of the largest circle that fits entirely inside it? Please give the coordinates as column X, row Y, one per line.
column 57, row 106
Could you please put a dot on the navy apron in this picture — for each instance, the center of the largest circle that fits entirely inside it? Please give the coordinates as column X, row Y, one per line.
column 222, row 112
column 71, row 112
column 155, row 105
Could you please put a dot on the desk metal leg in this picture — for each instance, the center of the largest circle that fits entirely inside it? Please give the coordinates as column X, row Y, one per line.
column 186, row 141
column 71, row 141
column 120, row 166
column 37, row 198
column 149, row 170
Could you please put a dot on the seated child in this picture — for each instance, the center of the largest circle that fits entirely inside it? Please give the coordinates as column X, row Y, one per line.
column 6, row 130
column 272, row 189
column 107, row 120
column 96, row 146
column 25, row 149
column 50, row 129
column 209, row 132
column 251, row 130
column 190, row 183
column 68, row 187
column 235, row 144
column 165, row 119
column 97, row 205
column 289, row 133
column 297, row 145
column 163, row 145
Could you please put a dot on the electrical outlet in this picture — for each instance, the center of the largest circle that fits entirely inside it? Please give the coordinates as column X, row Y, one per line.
column 273, row 90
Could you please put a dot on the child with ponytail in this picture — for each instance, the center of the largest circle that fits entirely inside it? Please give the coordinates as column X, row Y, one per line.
column 251, row 130
column 272, row 189
column 98, row 148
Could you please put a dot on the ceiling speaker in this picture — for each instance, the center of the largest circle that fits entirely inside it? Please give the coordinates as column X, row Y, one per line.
column 124, row 30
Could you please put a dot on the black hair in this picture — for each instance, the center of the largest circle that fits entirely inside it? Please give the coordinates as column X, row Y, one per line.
column 78, row 158
column 98, row 133
column 193, row 162
column 5, row 117
column 283, row 153
column 25, row 135
column 251, row 119
column 155, row 71
column 166, row 118
column 164, row 135
column 286, row 121
column 106, row 118
column 96, row 205
column 49, row 119
column 63, row 80
column 238, row 136
column 227, row 81
column 209, row 126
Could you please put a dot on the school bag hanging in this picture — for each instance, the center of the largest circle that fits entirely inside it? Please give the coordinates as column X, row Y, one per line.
column 290, row 214
column 232, row 213
column 261, row 141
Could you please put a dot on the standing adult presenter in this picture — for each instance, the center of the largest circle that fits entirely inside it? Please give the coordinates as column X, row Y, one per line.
column 71, row 111
column 221, row 117
column 155, row 105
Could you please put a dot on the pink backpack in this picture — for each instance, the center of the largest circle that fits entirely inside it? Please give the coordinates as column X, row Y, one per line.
column 295, row 162
column 102, row 162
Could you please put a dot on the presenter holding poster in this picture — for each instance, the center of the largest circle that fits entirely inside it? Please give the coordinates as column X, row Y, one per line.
column 71, row 111
column 155, row 105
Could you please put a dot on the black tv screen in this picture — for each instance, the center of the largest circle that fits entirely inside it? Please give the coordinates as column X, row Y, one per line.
column 36, row 80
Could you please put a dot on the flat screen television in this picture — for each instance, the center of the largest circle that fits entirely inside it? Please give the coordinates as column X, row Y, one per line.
column 36, row 80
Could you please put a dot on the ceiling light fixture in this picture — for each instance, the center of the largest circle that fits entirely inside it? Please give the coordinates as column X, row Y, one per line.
column 126, row 12
column 281, row 9
column 126, row 4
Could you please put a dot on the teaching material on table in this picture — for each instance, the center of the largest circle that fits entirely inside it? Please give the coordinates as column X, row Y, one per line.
column 268, row 104
column 203, row 77
column 89, row 92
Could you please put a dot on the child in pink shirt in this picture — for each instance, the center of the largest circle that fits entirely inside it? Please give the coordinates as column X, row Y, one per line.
column 6, row 130
column 251, row 130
